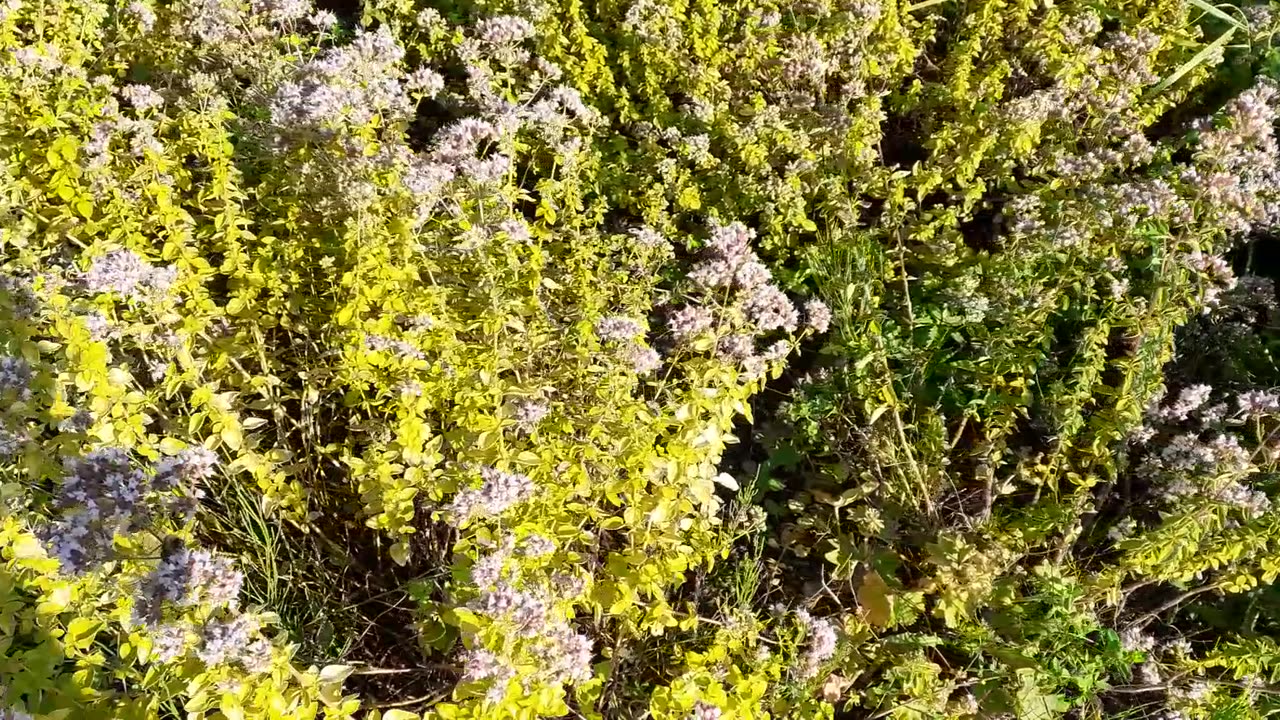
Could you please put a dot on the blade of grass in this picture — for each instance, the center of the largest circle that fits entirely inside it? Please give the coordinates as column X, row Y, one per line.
column 924, row 4
column 1221, row 15
column 1194, row 62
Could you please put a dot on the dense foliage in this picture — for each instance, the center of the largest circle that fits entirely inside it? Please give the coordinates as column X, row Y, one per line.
column 648, row 359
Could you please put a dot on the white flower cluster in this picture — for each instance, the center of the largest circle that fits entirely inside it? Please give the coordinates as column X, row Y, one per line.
column 624, row 333
column 126, row 274
column 1133, row 639
column 564, row 655
column 237, row 640
column 1237, row 170
column 1190, row 399
column 528, row 413
column 498, row 492
column 345, row 87
column 401, row 348
column 821, row 645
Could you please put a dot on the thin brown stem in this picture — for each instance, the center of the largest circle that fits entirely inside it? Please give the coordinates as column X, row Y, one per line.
column 1144, row 619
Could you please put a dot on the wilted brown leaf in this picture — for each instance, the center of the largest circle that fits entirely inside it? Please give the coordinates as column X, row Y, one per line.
column 875, row 600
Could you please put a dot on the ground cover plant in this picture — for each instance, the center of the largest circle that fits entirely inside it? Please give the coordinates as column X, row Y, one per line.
column 650, row 359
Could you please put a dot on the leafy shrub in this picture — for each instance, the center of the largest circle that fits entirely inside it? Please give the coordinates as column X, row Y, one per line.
column 478, row 298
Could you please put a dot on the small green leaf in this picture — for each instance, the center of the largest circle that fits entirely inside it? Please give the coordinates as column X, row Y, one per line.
column 81, row 632
column 400, row 553
column 232, row 436
column 335, row 673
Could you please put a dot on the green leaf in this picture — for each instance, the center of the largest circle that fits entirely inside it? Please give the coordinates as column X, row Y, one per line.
column 232, row 436
column 27, row 547
column 331, row 678
column 81, row 632
column 400, row 553
column 1033, row 703
column 335, row 673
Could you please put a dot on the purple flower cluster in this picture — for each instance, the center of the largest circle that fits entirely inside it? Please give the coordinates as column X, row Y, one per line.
column 738, row 348
column 237, row 640
column 215, row 22
column 503, row 30
column 169, row 642
column 537, row 546
column 1254, row 403
column 498, row 492
column 425, row 82
column 483, row 666
column 564, row 656
column 186, row 469
column 192, row 578
column 643, row 360
column 817, row 316
column 648, row 238
column 489, row 570
column 529, row 413
column 739, row 303
column 103, row 494
column 100, row 494
column 1217, row 274
column 730, row 262
column 618, row 329
column 704, row 711
column 1187, row 465
column 126, row 274
column 15, row 375
column 11, row 442
column 400, row 348
column 769, row 308
column 1237, row 166
column 821, row 645
column 19, row 295
column 346, row 87
column 624, row 331
column 527, row 612
column 690, row 322
column 282, row 11
column 1187, row 453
